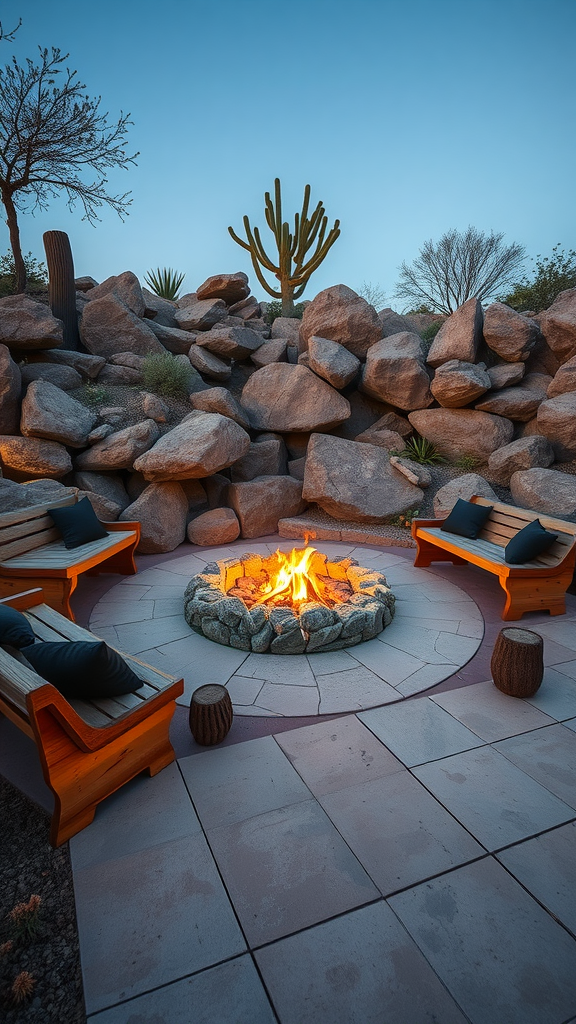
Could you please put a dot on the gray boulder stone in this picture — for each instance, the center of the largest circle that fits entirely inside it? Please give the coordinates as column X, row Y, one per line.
column 108, row 326
column 10, row 389
column 558, row 325
column 459, row 336
column 100, row 432
column 515, row 403
column 159, row 310
column 260, row 503
column 273, row 351
column 246, row 309
column 297, row 467
column 462, row 487
column 217, row 526
column 457, row 383
column 208, row 364
column 14, row 495
column 50, row 413
column 463, row 431
column 393, row 421
column 287, row 327
column 564, row 380
column 154, row 408
column 125, row 287
column 388, row 439
column 120, row 449
column 544, row 490
column 524, row 453
column 557, row 422
column 341, row 315
column 263, row 458
column 394, row 323
column 119, row 376
column 109, row 485
column 542, row 358
column 505, row 375
column 508, row 333
column 230, row 342
column 84, row 284
column 28, row 325
column 332, row 362
column 25, row 457
column 173, row 339
column 230, row 287
column 220, row 400
column 200, row 315
column 395, row 372
column 161, row 509
column 538, row 382
column 64, row 377
column 417, row 474
column 203, row 443
column 127, row 359
column 290, row 398
column 355, row 481
column 86, row 365
column 106, row 510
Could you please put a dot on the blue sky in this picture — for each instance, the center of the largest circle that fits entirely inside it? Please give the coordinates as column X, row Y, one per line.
column 407, row 117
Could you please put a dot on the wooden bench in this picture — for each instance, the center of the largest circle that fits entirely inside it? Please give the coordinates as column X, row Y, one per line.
column 88, row 749
column 536, row 586
column 32, row 553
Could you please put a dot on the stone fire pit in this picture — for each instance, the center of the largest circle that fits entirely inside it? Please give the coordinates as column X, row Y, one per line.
column 225, row 603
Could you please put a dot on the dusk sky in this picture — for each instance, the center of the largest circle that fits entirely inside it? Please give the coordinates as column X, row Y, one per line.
column 406, row 118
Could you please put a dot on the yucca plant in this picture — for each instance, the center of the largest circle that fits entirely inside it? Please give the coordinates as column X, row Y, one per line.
column 165, row 283
column 420, row 450
column 164, row 375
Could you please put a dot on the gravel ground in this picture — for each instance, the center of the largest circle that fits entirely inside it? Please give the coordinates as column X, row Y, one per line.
column 29, row 865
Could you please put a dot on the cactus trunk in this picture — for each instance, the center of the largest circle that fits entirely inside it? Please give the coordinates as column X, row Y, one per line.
column 61, row 287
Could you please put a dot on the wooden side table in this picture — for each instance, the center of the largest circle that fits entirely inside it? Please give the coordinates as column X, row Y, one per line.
column 518, row 661
column 210, row 714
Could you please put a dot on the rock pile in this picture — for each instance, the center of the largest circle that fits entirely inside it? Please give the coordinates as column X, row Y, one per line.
column 312, row 412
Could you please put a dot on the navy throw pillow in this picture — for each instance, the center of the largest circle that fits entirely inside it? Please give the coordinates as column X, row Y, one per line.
column 466, row 519
column 83, row 668
column 78, row 523
column 15, row 628
column 528, row 543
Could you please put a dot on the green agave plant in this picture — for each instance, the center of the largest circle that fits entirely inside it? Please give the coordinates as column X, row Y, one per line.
column 420, row 450
column 165, row 283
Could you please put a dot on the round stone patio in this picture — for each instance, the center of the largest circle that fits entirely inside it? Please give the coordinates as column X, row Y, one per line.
column 437, row 628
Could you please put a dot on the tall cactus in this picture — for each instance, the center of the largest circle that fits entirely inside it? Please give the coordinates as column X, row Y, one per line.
column 61, row 287
column 293, row 277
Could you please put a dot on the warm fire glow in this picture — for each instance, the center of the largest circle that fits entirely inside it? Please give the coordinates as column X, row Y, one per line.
column 294, row 582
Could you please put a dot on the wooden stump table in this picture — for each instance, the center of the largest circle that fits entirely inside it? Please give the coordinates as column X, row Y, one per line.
column 518, row 661
column 210, row 714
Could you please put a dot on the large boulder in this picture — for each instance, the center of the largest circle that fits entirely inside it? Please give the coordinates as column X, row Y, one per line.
column 462, row 487
column 173, row 339
column 564, row 379
column 203, row 443
column 108, row 326
column 222, row 401
column 557, row 421
column 230, row 287
column 263, row 458
column 25, row 457
column 200, row 315
column 508, row 333
column 120, row 449
column 10, row 388
column 558, row 324
column 395, row 372
column 388, row 439
column 515, row 403
column 355, row 481
column 289, row 398
column 505, row 375
column 457, row 383
column 246, row 309
column 160, row 311
column 260, row 503
column 287, row 327
column 459, row 336
column 161, row 509
column 209, row 364
column 341, row 315
column 230, row 342
column 64, row 377
column 394, row 323
column 545, row 490
column 14, row 496
column 332, row 362
column 50, row 413
column 108, row 485
column 106, row 510
column 524, row 453
column 462, row 431
column 215, row 527
column 273, row 351
column 84, row 363
column 27, row 325
column 124, row 286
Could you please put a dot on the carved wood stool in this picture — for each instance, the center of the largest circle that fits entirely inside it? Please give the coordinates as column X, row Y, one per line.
column 518, row 661
column 210, row 714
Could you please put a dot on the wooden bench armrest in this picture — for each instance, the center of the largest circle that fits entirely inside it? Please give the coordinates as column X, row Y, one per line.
column 418, row 523
column 27, row 599
column 111, row 527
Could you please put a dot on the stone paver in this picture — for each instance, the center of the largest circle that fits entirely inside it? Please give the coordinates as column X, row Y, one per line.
column 549, row 757
column 419, row 731
column 490, row 714
column 554, row 887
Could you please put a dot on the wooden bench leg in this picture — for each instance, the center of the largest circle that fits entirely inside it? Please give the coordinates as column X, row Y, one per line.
column 530, row 595
column 57, row 591
column 426, row 553
column 122, row 562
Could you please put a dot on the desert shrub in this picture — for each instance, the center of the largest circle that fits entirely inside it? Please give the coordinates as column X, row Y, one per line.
column 36, row 275
column 553, row 274
column 164, row 375
column 274, row 310
column 165, row 283
column 420, row 450
column 94, row 394
column 430, row 332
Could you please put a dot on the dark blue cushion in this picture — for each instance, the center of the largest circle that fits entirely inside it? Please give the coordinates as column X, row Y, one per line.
column 15, row 628
column 466, row 519
column 528, row 543
column 78, row 523
column 83, row 668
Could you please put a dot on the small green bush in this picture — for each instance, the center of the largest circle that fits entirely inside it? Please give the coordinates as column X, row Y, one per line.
column 36, row 275
column 94, row 394
column 164, row 375
column 553, row 274
column 430, row 332
column 165, row 283
column 274, row 310
column 467, row 462
column 420, row 450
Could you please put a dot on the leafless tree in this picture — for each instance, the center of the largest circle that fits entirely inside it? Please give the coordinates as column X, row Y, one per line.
column 50, row 134
column 458, row 267
column 373, row 294
column 9, row 36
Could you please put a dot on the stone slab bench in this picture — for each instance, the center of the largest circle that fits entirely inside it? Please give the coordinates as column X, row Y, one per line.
column 88, row 748
column 539, row 585
column 32, row 553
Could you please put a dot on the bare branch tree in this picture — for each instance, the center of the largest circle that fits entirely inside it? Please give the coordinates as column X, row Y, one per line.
column 9, row 36
column 50, row 134
column 460, row 266
column 373, row 294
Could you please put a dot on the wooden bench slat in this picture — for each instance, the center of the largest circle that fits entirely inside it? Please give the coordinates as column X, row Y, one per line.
column 89, row 713
column 9, row 533
column 26, row 545
column 57, row 556
column 23, row 515
column 485, row 548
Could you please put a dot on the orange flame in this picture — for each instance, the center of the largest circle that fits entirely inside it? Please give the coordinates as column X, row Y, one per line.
column 294, row 580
